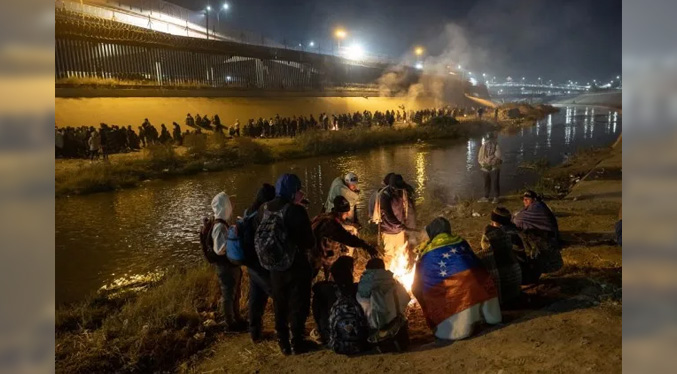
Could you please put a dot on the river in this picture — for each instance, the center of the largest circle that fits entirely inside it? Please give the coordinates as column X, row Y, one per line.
column 111, row 238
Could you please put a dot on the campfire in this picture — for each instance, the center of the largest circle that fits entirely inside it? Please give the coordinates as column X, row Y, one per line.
column 400, row 267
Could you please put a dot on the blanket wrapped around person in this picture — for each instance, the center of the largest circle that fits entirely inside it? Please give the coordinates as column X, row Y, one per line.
column 452, row 286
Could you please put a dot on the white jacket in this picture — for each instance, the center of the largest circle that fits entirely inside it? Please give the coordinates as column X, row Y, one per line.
column 489, row 156
column 223, row 209
column 338, row 187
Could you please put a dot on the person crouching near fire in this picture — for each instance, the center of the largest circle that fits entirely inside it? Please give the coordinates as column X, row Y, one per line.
column 452, row 286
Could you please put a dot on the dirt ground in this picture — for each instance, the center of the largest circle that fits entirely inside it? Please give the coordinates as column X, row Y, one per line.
column 570, row 322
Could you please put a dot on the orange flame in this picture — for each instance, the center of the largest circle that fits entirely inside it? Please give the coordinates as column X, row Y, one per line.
column 399, row 266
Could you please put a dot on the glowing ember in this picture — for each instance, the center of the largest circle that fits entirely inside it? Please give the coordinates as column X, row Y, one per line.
column 399, row 266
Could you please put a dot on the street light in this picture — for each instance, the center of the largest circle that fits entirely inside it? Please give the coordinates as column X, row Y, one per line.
column 340, row 34
column 207, row 10
column 224, row 7
column 418, row 51
column 311, row 44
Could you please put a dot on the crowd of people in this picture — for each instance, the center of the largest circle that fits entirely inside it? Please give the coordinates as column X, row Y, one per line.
column 306, row 264
column 92, row 143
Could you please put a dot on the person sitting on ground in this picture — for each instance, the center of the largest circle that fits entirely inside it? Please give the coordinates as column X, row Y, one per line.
column 384, row 301
column 497, row 255
column 536, row 215
column 452, row 286
column 331, row 238
column 229, row 275
column 325, row 295
column 539, row 231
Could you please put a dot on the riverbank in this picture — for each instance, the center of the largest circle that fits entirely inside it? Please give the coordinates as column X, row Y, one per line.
column 575, row 312
column 212, row 153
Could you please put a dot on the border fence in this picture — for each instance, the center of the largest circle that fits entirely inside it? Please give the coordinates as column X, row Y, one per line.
column 95, row 50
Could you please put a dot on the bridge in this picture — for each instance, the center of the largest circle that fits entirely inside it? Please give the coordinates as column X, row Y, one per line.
column 519, row 91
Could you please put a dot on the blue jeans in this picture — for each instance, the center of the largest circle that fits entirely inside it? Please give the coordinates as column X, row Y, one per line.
column 259, row 291
column 230, row 278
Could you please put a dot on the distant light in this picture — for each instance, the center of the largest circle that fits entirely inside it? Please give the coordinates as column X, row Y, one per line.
column 340, row 33
column 460, row 67
column 419, row 51
column 226, row 6
column 300, row 45
column 473, row 81
column 354, row 52
column 229, row 78
column 209, row 8
column 618, row 77
column 484, row 74
column 312, row 44
column 419, row 66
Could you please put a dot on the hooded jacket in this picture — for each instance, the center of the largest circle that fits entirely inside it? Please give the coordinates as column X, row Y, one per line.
column 339, row 188
column 223, row 209
column 397, row 211
column 382, row 297
column 296, row 218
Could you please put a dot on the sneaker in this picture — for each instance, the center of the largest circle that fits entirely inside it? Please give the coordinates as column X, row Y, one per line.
column 255, row 335
column 483, row 200
column 495, row 200
column 304, row 346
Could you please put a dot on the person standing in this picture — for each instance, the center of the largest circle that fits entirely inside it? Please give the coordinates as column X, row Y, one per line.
column 260, row 287
column 490, row 162
column 283, row 241
column 94, row 143
column 229, row 274
column 396, row 215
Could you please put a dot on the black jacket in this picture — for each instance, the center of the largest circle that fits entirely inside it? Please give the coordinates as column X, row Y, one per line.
column 296, row 221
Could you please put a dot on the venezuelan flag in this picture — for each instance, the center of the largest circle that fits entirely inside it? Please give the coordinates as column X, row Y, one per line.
column 449, row 279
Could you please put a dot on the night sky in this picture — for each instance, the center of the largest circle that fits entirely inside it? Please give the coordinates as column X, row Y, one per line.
column 557, row 40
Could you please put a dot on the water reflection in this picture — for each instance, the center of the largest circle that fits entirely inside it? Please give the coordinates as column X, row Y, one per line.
column 420, row 174
column 102, row 238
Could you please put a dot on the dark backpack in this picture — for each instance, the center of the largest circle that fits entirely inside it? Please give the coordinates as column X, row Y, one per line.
column 271, row 243
column 207, row 243
column 348, row 326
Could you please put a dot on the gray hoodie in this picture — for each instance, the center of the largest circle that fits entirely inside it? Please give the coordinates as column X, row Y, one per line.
column 382, row 297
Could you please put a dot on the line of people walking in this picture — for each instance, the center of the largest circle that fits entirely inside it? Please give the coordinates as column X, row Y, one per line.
column 92, row 143
column 284, row 251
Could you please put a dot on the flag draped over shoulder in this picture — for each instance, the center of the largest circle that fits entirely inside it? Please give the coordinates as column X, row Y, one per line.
column 450, row 278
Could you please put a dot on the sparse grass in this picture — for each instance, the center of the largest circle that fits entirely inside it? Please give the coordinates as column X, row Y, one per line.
column 146, row 332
